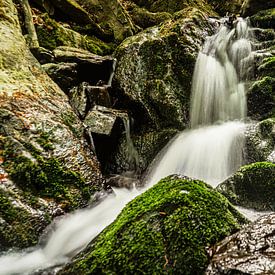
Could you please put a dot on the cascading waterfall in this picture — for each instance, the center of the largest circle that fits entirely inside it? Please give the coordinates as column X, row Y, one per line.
column 213, row 149
column 210, row 151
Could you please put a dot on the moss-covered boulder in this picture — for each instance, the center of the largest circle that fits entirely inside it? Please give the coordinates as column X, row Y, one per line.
column 157, row 86
column 264, row 19
column 260, row 141
column 45, row 161
column 163, row 231
column 110, row 16
column 144, row 18
column 250, row 7
column 52, row 34
column 261, row 98
column 253, row 186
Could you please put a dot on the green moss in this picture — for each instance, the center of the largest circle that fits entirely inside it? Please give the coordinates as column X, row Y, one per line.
column 261, row 98
column 52, row 34
column 266, row 127
column 45, row 141
column 44, row 177
column 252, row 186
column 264, row 19
column 163, row 231
column 18, row 229
column 268, row 67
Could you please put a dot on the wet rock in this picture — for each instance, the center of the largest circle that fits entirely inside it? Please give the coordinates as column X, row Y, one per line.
column 147, row 146
column 91, row 67
column 252, row 186
column 260, row 141
column 43, row 55
column 101, row 120
column 84, row 97
column 157, row 87
column 43, row 151
column 250, row 251
column 164, row 230
column 251, row 7
column 264, row 19
column 63, row 74
column 126, row 180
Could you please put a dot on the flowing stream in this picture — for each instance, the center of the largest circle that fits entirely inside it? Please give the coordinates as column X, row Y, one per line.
column 211, row 150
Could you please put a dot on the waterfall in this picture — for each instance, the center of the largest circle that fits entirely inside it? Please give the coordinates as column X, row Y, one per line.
column 210, row 151
column 213, row 149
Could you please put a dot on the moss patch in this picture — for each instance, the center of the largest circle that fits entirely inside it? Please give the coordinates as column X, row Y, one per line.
column 264, row 19
column 261, row 98
column 44, row 177
column 252, row 186
column 52, row 34
column 163, row 231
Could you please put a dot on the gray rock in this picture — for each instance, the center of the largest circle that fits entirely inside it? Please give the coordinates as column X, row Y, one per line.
column 101, row 120
column 91, row 67
column 250, row 251
column 64, row 74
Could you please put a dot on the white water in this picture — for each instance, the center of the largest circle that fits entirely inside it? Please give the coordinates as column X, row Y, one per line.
column 211, row 151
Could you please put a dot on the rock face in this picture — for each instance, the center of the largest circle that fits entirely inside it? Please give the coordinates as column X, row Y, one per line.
column 46, row 164
column 253, row 186
column 164, row 230
column 157, row 86
column 250, row 251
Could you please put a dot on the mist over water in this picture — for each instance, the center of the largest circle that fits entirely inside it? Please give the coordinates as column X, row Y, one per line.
column 211, row 150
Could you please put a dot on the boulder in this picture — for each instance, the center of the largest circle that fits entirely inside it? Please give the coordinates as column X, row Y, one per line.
column 157, row 86
column 250, row 251
column 111, row 17
column 264, row 19
column 52, row 34
column 44, row 157
column 163, row 231
column 252, row 186
column 250, row 7
column 261, row 98
column 260, row 141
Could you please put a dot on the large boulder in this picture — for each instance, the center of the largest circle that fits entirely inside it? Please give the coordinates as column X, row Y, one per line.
column 157, row 86
column 250, row 251
column 163, row 231
column 252, row 186
column 45, row 159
